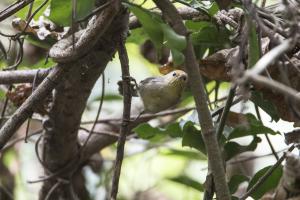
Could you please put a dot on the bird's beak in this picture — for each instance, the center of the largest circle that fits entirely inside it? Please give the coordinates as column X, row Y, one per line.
column 183, row 77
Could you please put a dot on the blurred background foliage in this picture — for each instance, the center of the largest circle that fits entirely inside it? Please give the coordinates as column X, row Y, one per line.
column 166, row 162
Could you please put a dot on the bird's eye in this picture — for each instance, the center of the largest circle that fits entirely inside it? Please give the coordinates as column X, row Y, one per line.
column 174, row 74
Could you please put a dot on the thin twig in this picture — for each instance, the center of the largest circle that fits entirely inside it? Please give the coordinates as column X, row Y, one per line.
column 109, row 133
column 246, row 159
column 268, row 173
column 13, row 8
column 19, row 57
column 52, row 189
column 98, row 113
column 34, row 83
column 241, row 160
column 269, row 58
column 266, row 135
column 94, row 12
column 13, row 142
column 276, row 86
column 225, row 112
column 126, row 117
column 144, row 116
column 263, row 3
column 6, row 191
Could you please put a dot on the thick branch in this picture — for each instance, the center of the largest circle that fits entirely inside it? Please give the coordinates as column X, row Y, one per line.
column 22, row 76
column 65, row 51
column 60, row 138
column 197, row 87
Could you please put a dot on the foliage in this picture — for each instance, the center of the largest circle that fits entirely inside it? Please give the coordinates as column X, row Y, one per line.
column 208, row 37
column 160, row 33
column 60, row 10
column 271, row 182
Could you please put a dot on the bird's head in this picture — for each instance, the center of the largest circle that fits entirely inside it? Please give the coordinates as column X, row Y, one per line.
column 176, row 79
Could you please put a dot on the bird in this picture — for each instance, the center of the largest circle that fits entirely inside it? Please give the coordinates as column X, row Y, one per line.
column 162, row 92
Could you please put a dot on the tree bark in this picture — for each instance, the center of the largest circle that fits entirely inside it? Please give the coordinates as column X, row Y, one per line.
column 60, row 147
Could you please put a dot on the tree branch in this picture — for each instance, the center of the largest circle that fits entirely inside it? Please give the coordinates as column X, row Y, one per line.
column 125, row 129
column 26, row 109
column 185, row 12
column 12, row 9
column 63, row 50
column 23, row 76
column 197, row 87
column 61, row 153
column 275, row 86
column 269, row 58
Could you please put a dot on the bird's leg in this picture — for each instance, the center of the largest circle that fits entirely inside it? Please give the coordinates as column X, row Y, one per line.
column 133, row 86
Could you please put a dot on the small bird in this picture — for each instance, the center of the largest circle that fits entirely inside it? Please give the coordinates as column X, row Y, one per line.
column 162, row 92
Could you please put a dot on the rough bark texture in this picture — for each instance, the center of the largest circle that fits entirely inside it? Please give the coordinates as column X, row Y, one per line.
column 61, row 150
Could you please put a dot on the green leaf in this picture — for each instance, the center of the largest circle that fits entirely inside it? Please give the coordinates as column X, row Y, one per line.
column 254, row 127
column 151, row 24
column 213, row 9
column 254, row 49
column 258, row 99
column 235, row 181
column 174, row 130
column 187, row 181
column 37, row 3
column 108, row 97
column 172, row 39
column 61, row 10
column 232, row 149
column 192, row 137
column 137, row 36
column 271, row 182
column 178, row 57
column 146, row 131
column 47, row 43
column 209, row 35
column 196, row 26
column 160, row 33
column 191, row 155
column 204, row 6
column 42, row 64
column 2, row 94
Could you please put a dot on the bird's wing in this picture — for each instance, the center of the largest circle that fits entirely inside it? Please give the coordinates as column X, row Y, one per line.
column 151, row 83
column 151, row 80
